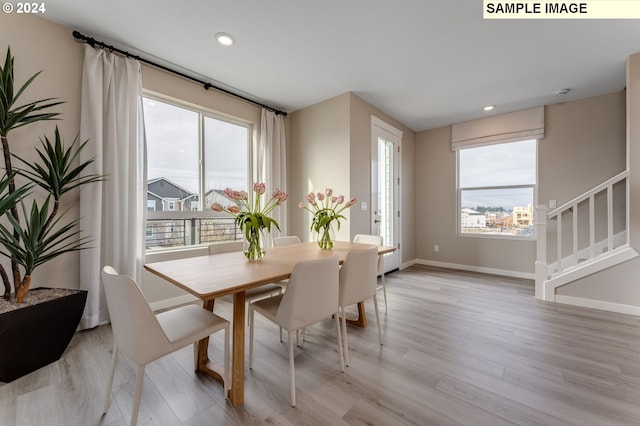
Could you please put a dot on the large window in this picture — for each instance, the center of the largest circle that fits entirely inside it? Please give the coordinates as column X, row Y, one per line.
column 192, row 155
column 497, row 189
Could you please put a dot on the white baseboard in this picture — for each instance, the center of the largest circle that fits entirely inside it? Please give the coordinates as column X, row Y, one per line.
column 405, row 265
column 598, row 304
column 481, row 269
column 172, row 302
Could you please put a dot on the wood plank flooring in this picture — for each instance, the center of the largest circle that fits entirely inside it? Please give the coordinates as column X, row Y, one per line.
column 460, row 349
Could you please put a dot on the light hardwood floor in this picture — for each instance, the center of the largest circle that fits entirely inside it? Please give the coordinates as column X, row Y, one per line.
column 460, row 348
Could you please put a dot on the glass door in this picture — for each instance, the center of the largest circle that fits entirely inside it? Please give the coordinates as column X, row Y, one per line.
column 385, row 188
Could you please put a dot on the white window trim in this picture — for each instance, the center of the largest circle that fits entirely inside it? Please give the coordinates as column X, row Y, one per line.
column 458, row 221
column 205, row 112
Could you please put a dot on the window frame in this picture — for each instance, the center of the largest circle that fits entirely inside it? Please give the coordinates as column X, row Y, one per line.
column 203, row 113
column 459, row 191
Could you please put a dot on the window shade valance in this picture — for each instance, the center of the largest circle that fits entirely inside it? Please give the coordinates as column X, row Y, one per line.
column 510, row 127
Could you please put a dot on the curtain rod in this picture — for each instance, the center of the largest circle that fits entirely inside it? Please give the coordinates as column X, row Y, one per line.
column 93, row 43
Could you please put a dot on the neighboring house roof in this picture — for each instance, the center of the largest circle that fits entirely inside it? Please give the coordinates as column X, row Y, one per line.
column 165, row 189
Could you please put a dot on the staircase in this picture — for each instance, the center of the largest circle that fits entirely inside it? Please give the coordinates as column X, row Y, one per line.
column 585, row 235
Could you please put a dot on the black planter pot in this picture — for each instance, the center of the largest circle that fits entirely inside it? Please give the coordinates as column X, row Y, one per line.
column 37, row 335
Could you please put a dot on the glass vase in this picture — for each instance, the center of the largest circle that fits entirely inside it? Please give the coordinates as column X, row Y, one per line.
column 326, row 237
column 253, row 245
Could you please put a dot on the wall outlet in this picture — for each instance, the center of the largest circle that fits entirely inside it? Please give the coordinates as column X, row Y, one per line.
column 436, row 248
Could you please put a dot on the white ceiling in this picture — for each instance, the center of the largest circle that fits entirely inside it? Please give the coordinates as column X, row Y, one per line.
column 426, row 63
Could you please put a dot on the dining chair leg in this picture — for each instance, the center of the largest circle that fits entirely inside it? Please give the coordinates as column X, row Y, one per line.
column 137, row 395
column 292, row 374
column 107, row 396
column 195, row 356
column 227, row 376
column 375, row 304
column 251, row 315
column 384, row 291
column 382, row 281
column 339, row 336
column 301, row 332
column 343, row 315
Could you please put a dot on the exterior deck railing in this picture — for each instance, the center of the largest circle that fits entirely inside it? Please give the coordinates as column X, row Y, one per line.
column 164, row 231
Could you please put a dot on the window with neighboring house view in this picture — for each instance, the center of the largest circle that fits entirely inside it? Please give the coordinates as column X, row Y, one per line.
column 192, row 155
column 497, row 189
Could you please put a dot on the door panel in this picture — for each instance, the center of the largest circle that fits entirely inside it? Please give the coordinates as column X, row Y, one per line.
column 385, row 188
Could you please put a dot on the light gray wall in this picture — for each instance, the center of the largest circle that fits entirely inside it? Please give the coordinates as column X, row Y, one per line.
column 318, row 148
column 361, row 144
column 584, row 145
column 330, row 145
column 436, row 216
column 40, row 45
column 619, row 284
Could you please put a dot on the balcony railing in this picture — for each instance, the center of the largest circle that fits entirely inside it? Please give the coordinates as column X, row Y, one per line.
column 164, row 231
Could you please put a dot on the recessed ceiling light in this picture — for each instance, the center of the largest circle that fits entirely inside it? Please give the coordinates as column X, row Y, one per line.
column 561, row 92
column 489, row 107
column 225, row 39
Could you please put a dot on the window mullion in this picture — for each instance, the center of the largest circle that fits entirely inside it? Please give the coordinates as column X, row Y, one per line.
column 201, row 164
column 481, row 188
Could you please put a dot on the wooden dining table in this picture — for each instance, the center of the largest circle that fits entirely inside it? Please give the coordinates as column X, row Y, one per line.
column 213, row 276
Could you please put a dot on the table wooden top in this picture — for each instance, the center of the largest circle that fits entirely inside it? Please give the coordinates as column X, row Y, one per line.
column 213, row 276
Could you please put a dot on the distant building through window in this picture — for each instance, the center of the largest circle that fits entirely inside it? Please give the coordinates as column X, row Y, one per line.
column 192, row 156
column 497, row 189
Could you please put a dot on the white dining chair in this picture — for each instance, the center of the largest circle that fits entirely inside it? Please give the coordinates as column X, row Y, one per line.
column 358, row 279
column 311, row 296
column 285, row 241
column 376, row 240
column 253, row 294
column 143, row 336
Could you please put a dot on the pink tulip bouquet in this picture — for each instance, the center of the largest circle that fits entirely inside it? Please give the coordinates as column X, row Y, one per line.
column 252, row 219
column 326, row 209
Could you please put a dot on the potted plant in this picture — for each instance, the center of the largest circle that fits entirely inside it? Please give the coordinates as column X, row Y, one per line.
column 34, row 333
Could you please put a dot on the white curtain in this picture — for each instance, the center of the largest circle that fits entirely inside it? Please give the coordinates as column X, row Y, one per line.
column 112, row 212
column 272, row 160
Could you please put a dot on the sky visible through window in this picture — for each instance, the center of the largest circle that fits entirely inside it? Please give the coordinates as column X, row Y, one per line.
column 500, row 165
column 173, row 148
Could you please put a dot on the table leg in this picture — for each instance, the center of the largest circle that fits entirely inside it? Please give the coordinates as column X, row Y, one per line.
column 236, row 394
column 361, row 321
column 203, row 363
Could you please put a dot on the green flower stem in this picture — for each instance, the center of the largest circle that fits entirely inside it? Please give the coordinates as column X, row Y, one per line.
column 254, row 249
column 324, row 241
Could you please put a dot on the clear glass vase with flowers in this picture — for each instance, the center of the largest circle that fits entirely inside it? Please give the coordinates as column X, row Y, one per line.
column 252, row 218
column 326, row 209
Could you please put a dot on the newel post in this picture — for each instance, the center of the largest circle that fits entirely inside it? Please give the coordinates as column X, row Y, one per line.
column 541, row 269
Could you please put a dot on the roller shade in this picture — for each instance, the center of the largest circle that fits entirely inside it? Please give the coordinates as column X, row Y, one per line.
column 510, row 127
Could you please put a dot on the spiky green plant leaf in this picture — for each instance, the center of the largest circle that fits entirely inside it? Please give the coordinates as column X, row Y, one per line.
column 12, row 117
column 55, row 172
column 37, row 244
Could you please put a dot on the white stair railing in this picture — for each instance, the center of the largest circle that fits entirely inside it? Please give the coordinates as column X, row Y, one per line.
column 578, row 256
